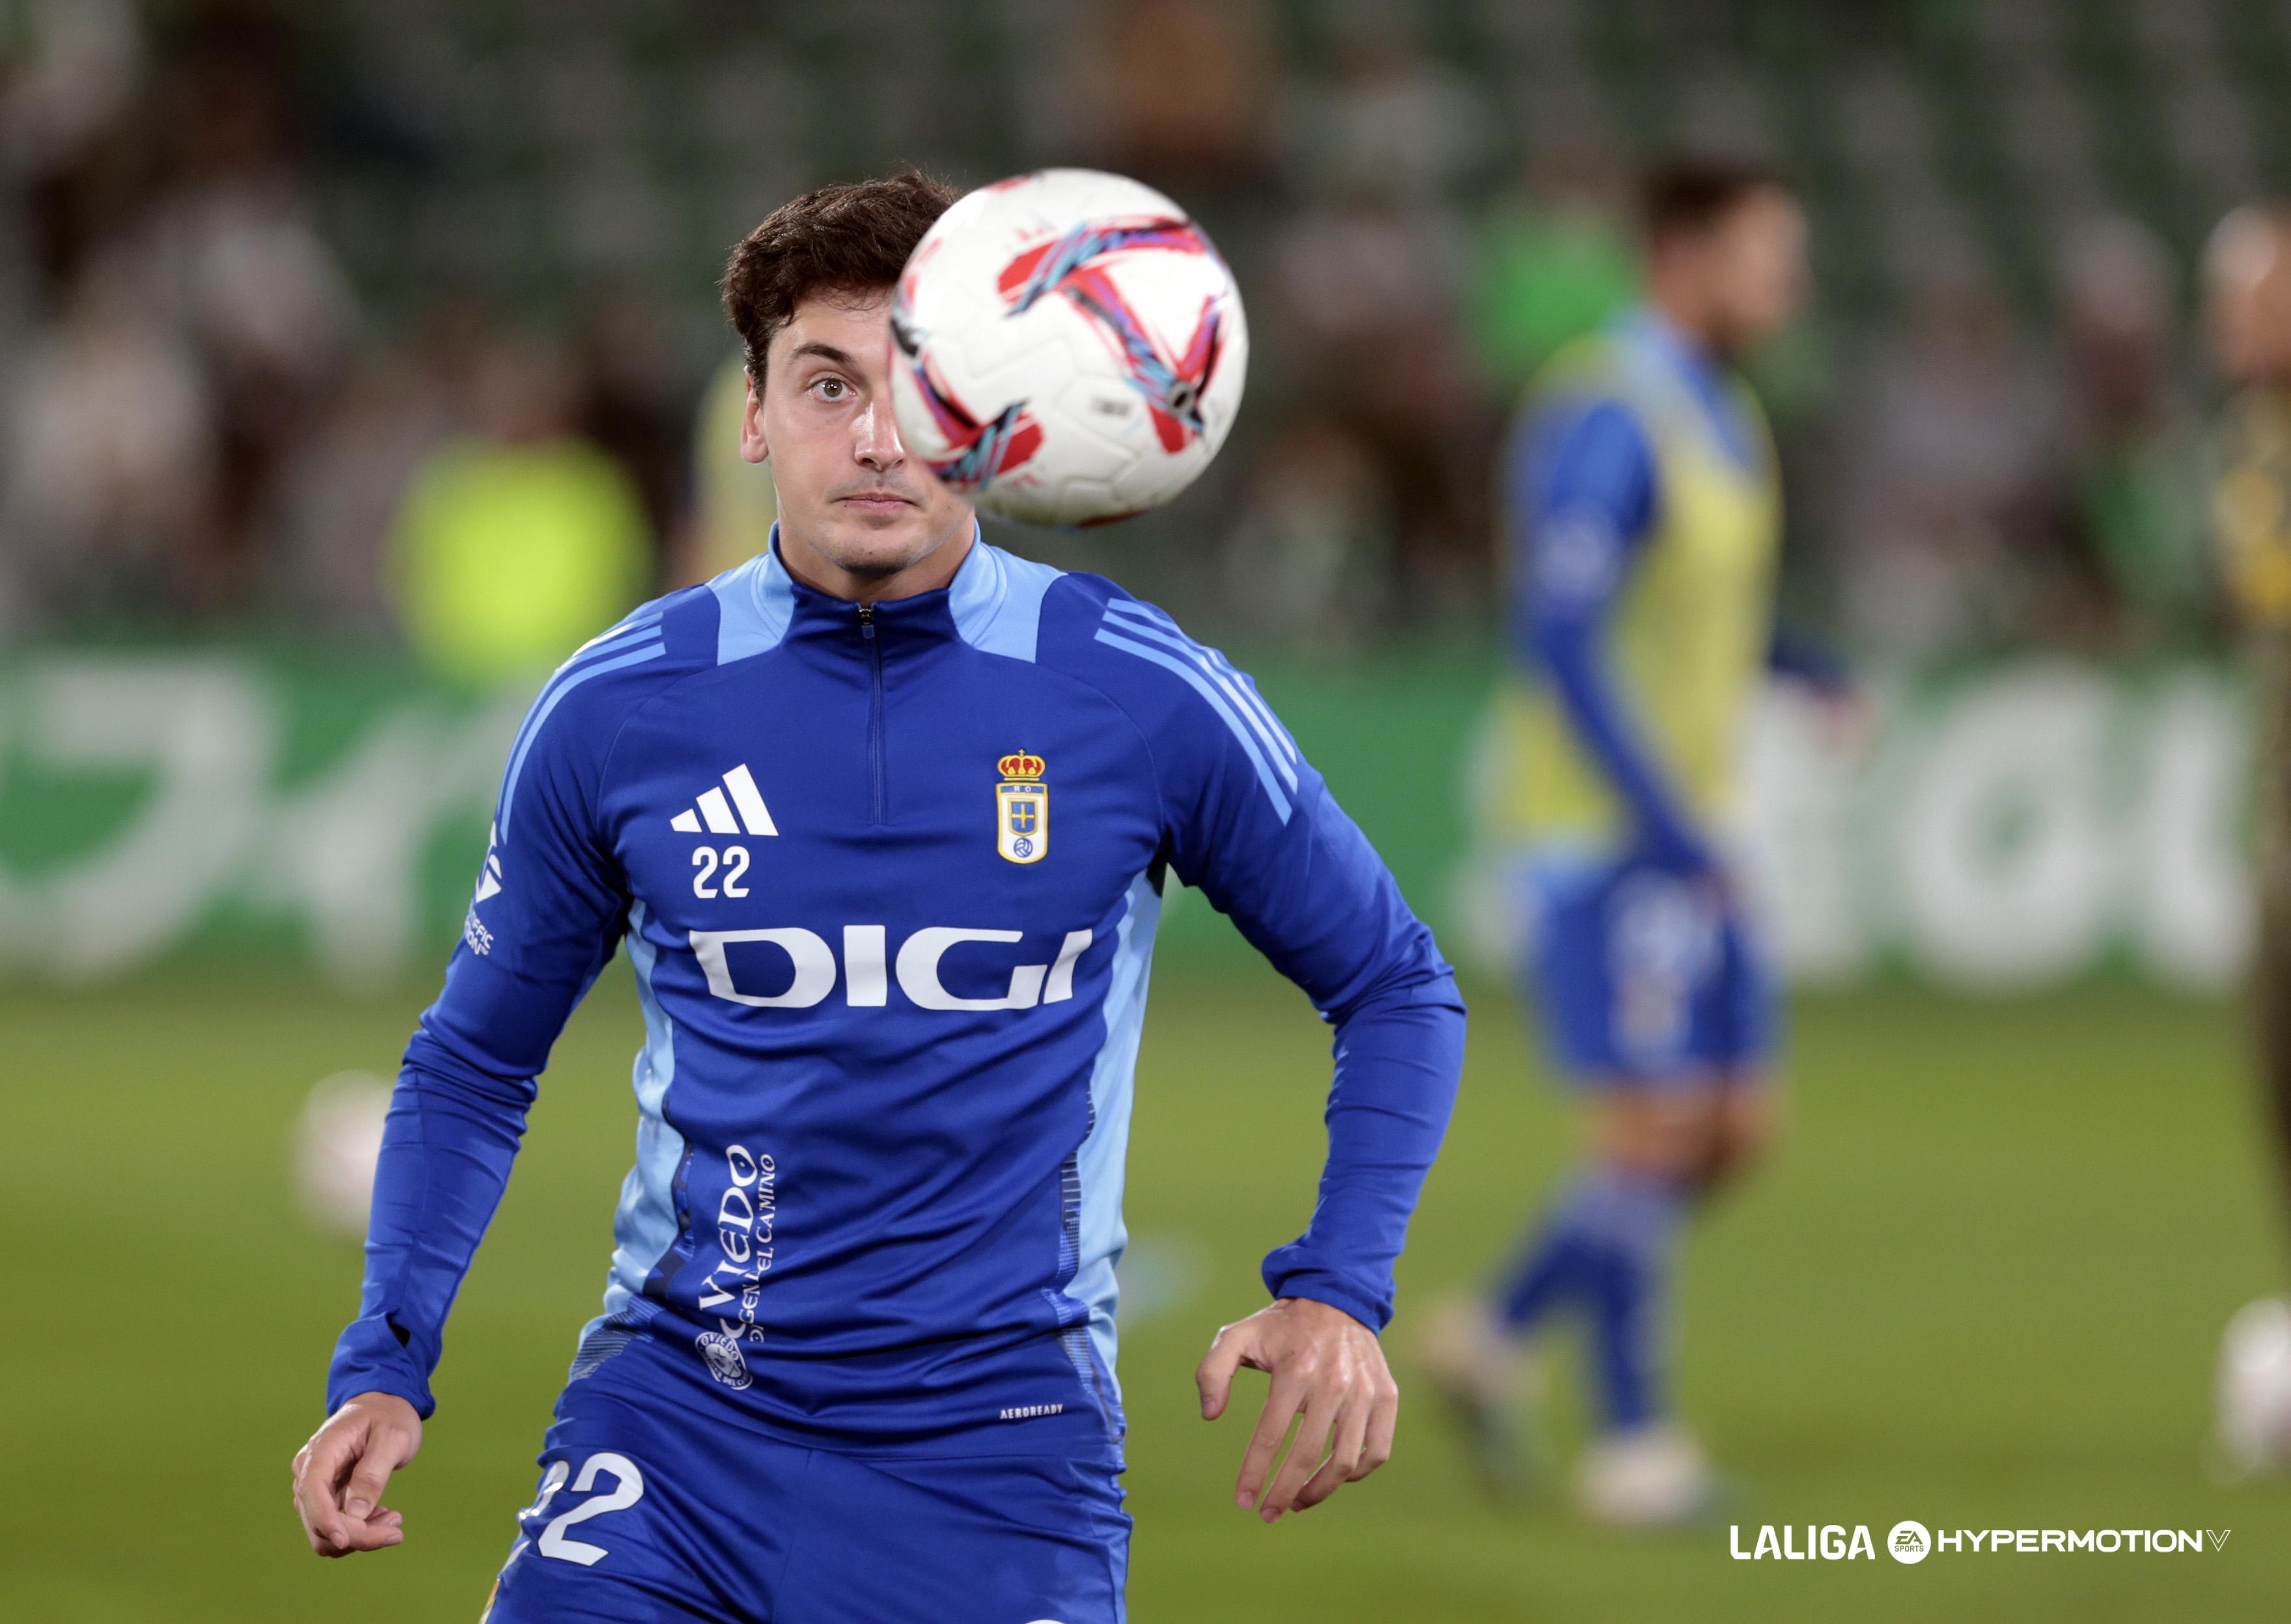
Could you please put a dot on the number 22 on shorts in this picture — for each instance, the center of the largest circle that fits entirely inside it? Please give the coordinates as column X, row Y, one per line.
column 627, row 1489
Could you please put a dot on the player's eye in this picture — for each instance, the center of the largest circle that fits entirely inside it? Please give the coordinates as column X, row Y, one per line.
column 831, row 389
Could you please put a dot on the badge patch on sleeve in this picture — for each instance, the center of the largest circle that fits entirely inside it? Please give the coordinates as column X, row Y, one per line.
column 1022, row 809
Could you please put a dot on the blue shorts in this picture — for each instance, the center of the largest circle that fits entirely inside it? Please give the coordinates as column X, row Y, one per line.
column 1644, row 978
column 649, row 1511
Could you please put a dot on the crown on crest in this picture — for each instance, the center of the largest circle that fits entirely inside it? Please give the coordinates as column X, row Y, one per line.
column 1021, row 766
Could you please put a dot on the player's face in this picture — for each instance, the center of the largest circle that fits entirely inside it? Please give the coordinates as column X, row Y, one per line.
column 1757, row 269
column 2249, row 298
column 856, row 511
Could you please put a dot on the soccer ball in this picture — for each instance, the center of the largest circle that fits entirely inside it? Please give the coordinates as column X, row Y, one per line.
column 337, row 1142
column 1069, row 348
column 2253, row 1393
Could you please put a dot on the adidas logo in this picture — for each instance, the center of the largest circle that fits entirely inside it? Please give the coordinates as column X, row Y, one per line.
column 714, row 813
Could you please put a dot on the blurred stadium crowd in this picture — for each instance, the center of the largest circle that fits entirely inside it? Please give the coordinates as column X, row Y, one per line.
column 331, row 315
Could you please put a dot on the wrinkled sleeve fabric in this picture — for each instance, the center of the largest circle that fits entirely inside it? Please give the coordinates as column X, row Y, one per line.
column 1250, row 824
column 1582, row 493
column 549, row 906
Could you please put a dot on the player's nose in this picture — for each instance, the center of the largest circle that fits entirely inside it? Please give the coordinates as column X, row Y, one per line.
column 875, row 437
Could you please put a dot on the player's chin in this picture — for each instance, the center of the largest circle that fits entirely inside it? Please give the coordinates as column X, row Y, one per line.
column 869, row 537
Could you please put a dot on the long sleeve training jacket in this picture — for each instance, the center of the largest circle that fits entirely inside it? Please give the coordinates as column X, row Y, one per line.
column 888, row 878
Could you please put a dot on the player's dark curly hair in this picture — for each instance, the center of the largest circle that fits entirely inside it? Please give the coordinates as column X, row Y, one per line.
column 850, row 238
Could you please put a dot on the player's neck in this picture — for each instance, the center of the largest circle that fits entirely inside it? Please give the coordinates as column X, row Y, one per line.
column 812, row 567
column 1688, row 318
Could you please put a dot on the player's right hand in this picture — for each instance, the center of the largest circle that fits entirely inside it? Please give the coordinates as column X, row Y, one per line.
column 341, row 1473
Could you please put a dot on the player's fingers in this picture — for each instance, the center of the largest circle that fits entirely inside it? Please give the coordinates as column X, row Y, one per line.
column 1383, row 1422
column 316, row 1461
column 363, row 1493
column 1305, row 1455
column 317, row 1469
column 1342, row 1464
column 325, row 1528
column 357, row 1537
column 345, row 1535
column 1215, row 1375
column 1287, row 1391
column 380, row 1533
column 387, row 1449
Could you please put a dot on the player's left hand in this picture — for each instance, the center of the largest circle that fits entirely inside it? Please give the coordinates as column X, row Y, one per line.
column 1327, row 1368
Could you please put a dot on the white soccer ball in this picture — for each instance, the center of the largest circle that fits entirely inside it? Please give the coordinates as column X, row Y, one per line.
column 337, row 1143
column 1069, row 348
column 2254, row 1393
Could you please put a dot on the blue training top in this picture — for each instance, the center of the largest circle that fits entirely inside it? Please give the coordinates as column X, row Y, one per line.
column 888, row 878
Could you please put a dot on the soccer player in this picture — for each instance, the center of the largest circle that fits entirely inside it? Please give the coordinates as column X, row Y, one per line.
column 883, row 816
column 2248, row 293
column 2247, row 277
column 1646, row 516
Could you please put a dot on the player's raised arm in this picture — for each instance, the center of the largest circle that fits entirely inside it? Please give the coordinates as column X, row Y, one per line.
column 1251, row 824
column 548, row 906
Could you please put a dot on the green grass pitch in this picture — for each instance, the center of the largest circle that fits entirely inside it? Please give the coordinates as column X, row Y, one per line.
column 1979, row 1285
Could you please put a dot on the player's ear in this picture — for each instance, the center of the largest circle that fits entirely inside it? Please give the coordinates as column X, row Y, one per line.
column 754, row 447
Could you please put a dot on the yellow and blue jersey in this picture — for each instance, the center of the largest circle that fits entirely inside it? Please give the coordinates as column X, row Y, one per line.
column 1645, row 513
column 1646, row 510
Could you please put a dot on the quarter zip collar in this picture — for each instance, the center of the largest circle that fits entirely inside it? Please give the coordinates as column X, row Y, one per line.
column 915, row 622
column 873, row 646
column 880, row 644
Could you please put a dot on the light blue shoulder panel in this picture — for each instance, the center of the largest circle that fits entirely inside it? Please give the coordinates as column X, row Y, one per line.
column 996, row 599
column 756, row 600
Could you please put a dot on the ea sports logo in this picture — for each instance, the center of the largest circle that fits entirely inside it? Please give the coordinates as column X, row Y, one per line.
column 1909, row 1542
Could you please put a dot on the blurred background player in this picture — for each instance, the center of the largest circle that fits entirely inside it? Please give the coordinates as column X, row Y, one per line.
column 518, row 537
column 1647, row 518
column 2248, row 295
column 733, row 505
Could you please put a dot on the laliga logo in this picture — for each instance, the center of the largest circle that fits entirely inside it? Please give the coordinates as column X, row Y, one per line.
column 1909, row 1543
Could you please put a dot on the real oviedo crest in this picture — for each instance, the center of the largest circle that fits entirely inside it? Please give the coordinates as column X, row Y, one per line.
column 1022, row 809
